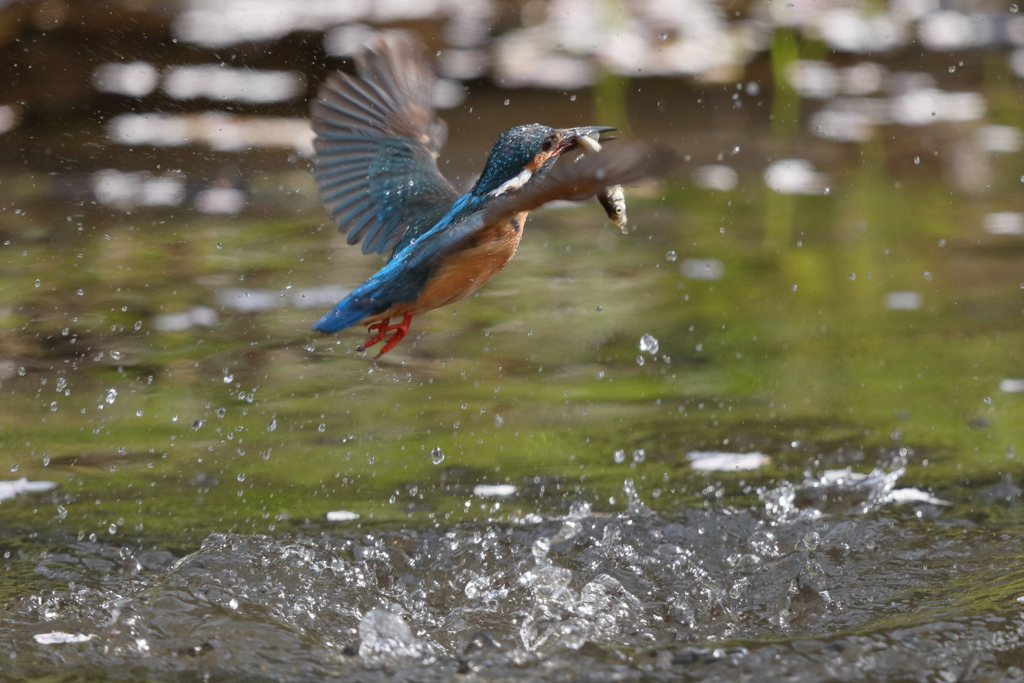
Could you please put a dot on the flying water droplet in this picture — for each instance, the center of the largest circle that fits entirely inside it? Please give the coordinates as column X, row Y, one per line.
column 436, row 455
column 272, row 425
column 648, row 344
column 111, row 396
column 322, row 428
column 639, row 455
column 229, row 378
column 619, row 456
column 671, row 256
column 62, row 384
column 241, row 476
column 116, row 355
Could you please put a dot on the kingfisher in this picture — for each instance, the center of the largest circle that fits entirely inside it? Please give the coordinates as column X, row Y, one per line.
column 377, row 143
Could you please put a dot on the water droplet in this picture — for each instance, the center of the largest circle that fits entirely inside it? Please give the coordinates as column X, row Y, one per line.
column 229, row 378
column 572, row 98
column 14, row 468
column 62, row 512
column 1014, row 9
column 38, row 283
column 952, row 69
column 233, row 603
column 219, row 245
column 436, row 455
column 241, row 476
column 852, row 276
column 46, row 459
column 619, row 456
column 640, row 360
column 80, row 292
column 138, row 413
column 272, row 425
column 322, row 428
column 917, row 161
column 197, row 424
column 138, row 325
column 112, row 529
column 498, row 421
column 111, row 396
column 116, row 355
column 988, row 400
column 221, row 412
column 21, row 370
column 506, row 102
column 671, row 255
column 662, row 36
column 62, row 384
column 639, row 455
column 648, row 344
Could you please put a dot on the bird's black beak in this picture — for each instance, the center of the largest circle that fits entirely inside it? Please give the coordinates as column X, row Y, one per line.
column 586, row 137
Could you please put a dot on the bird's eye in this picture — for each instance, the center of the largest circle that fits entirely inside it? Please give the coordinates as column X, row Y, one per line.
column 549, row 142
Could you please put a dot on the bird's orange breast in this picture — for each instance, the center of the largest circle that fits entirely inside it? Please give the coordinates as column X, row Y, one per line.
column 468, row 269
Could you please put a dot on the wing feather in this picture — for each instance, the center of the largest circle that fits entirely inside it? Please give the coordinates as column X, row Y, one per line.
column 376, row 146
column 618, row 165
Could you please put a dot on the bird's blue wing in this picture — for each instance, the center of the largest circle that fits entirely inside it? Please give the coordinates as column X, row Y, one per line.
column 377, row 141
column 570, row 180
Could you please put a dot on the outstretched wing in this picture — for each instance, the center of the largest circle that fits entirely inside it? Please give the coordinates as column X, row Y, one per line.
column 377, row 141
column 619, row 165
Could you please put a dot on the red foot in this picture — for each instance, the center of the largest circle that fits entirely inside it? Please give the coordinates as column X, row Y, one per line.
column 381, row 329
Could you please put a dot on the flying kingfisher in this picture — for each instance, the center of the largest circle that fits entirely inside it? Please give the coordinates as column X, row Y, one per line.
column 377, row 142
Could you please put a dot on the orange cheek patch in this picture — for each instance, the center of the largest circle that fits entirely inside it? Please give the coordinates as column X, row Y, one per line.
column 538, row 161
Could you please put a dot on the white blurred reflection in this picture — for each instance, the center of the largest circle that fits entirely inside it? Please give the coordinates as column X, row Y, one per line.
column 259, row 300
column 197, row 316
column 134, row 79
column 1000, row 139
column 716, row 177
column 126, row 191
column 216, row 82
column 795, row 176
column 1004, row 223
column 8, row 118
column 222, row 132
column 702, row 269
column 903, row 301
column 228, row 22
column 220, row 200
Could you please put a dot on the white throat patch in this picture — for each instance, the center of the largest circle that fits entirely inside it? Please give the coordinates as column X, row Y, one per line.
column 513, row 184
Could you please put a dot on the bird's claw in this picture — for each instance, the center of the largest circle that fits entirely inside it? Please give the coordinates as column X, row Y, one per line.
column 381, row 330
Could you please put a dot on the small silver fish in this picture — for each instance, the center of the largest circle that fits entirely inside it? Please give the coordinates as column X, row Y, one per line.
column 612, row 198
column 614, row 202
column 589, row 144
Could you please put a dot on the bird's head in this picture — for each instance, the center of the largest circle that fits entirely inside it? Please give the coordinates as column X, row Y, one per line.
column 525, row 153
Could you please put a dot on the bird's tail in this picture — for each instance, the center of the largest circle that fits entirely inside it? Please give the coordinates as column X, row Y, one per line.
column 346, row 314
